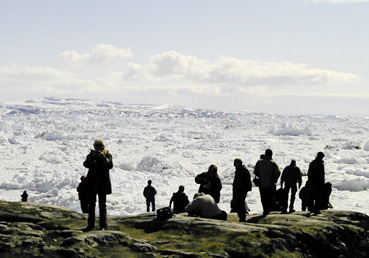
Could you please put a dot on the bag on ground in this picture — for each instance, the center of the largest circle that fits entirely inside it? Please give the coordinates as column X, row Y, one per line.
column 164, row 213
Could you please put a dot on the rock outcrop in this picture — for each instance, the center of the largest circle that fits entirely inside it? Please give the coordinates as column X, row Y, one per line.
column 39, row 230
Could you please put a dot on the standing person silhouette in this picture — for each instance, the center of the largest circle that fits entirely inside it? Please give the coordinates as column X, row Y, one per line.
column 241, row 185
column 99, row 161
column 149, row 193
column 268, row 173
column 291, row 176
column 316, row 177
column 210, row 182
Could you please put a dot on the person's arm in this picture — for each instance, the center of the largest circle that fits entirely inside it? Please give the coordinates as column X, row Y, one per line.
column 193, row 207
column 299, row 180
column 170, row 202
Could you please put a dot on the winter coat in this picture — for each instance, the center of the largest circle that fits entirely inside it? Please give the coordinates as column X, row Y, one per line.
column 82, row 190
column 209, row 185
column 316, row 174
column 149, row 193
column 241, row 182
column 204, row 206
column 180, row 201
column 98, row 177
column 291, row 175
column 267, row 171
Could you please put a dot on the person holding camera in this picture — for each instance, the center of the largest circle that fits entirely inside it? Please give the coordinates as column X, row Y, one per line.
column 99, row 161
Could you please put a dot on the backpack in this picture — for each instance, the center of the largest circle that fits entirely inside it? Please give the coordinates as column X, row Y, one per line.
column 164, row 213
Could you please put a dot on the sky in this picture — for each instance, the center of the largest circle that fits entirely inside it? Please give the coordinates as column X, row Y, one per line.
column 285, row 56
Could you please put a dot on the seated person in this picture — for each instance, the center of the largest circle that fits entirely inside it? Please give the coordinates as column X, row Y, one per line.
column 179, row 200
column 204, row 206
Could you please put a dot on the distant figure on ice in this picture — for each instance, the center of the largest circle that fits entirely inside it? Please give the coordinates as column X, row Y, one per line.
column 83, row 194
column 179, row 200
column 268, row 173
column 99, row 161
column 149, row 193
column 210, row 182
column 316, row 177
column 291, row 177
column 241, row 185
column 204, row 206
column 24, row 196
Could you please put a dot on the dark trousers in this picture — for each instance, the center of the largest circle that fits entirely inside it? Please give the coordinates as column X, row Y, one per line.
column 102, row 210
column 292, row 199
column 316, row 196
column 267, row 196
column 239, row 207
column 84, row 206
column 222, row 216
column 148, row 204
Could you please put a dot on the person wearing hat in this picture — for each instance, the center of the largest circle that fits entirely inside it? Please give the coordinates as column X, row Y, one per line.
column 267, row 171
column 99, row 161
column 316, row 177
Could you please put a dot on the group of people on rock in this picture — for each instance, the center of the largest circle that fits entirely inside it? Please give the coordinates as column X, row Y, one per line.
column 314, row 195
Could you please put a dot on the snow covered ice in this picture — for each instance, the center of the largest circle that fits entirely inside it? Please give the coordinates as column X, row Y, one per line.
column 45, row 141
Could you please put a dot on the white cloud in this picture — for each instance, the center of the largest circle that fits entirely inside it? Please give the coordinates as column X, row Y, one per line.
column 338, row 1
column 232, row 71
column 31, row 73
column 44, row 79
column 100, row 55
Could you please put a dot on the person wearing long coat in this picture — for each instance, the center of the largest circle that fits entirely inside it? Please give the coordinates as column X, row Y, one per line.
column 241, row 185
column 210, row 183
column 99, row 161
column 316, row 177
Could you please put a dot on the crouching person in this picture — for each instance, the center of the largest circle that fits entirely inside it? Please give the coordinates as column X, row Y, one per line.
column 204, row 206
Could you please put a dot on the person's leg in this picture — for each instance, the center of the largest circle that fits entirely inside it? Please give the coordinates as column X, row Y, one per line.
column 240, row 208
column 153, row 204
column 270, row 197
column 293, row 196
column 91, row 212
column 285, row 199
column 102, row 210
column 147, row 205
column 264, row 200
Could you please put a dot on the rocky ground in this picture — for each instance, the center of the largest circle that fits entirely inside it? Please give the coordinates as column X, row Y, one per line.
column 38, row 230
